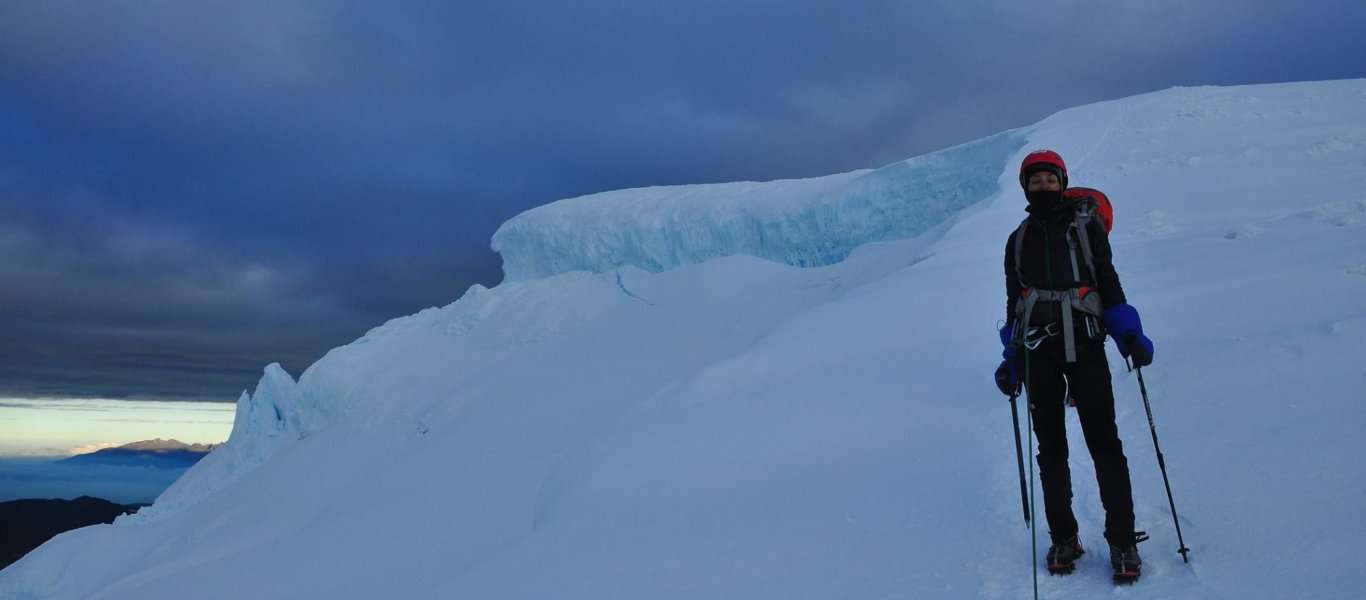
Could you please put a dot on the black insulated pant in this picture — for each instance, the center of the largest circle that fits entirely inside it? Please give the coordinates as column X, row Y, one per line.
column 1049, row 380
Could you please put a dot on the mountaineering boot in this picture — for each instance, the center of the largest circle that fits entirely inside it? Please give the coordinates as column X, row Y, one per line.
column 1126, row 562
column 1063, row 555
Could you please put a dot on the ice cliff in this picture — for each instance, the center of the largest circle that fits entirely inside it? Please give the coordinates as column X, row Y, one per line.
column 799, row 222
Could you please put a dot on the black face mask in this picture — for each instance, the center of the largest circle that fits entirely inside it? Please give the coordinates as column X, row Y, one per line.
column 1044, row 200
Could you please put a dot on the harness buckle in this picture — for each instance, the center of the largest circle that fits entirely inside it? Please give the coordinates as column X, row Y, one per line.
column 1034, row 336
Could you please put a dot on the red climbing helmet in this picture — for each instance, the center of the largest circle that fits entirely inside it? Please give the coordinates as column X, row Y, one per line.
column 1043, row 160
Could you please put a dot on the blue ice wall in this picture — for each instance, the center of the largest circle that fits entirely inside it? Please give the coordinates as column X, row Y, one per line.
column 800, row 222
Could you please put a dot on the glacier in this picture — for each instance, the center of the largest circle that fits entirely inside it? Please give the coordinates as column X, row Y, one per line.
column 656, row 407
column 801, row 222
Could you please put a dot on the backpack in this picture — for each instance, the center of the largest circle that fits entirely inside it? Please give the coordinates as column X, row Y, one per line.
column 1088, row 205
column 1095, row 201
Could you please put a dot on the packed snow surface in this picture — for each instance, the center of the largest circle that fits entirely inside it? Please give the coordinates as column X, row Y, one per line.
column 660, row 404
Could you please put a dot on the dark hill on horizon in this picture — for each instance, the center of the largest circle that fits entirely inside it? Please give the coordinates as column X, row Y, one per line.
column 27, row 524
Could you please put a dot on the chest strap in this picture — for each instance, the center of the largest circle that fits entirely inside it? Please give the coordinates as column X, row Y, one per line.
column 1077, row 239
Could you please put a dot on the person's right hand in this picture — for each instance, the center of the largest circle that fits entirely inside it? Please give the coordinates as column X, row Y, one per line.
column 1008, row 378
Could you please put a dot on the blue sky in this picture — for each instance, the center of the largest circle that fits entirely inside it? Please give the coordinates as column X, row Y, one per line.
column 190, row 191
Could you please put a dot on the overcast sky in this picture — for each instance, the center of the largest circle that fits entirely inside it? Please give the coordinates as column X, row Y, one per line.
column 191, row 190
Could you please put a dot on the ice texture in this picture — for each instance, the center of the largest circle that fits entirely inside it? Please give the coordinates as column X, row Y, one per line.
column 801, row 222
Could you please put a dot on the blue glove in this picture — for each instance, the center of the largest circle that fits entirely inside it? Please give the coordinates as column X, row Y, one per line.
column 1127, row 330
column 1008, row 374
column 1008, row 377
column 1010, row 352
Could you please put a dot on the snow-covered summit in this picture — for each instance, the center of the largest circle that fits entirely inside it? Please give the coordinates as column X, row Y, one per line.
column 659, row 409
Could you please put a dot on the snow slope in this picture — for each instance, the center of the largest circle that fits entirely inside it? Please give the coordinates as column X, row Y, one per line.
column 681, row 420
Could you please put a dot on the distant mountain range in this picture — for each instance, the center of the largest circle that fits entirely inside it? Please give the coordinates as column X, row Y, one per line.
column 26, row 524
column 159, row 453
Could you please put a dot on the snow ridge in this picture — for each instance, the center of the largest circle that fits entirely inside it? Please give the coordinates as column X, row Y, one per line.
column 800, row 222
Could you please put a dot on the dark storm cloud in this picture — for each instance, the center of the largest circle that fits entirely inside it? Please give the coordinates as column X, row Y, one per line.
column 191, row 190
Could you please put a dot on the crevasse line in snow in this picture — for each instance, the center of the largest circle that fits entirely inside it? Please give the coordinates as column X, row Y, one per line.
column 801, row 222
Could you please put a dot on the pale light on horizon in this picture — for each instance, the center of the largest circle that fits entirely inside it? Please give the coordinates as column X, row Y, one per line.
column 64, row 426
column 88, row 448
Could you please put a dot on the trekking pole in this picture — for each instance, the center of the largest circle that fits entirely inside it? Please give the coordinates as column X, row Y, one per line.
column 1019, row 456
column 1033, row 527
column 1162, row 464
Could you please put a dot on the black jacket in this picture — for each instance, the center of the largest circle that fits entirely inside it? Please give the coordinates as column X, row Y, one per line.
column 1047, row 264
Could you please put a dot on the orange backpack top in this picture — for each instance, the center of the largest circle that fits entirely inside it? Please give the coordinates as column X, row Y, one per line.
column 1095, row 200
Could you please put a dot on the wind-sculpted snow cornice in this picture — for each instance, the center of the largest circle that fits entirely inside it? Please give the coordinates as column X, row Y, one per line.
column 801, row 222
